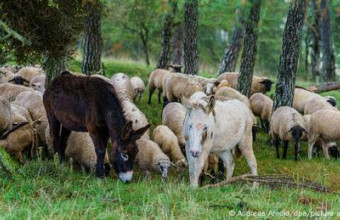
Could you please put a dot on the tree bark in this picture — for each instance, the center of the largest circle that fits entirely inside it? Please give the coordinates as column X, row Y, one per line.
column 328, row 59
column 92, row 46
column 249, row 49
column 232, row 52
column 289, row 58
column 190, row 37
column 166, row 35
column 144, row 35
column 325, row 87
column 177, row 43
column 315, row 47
column 53, row 67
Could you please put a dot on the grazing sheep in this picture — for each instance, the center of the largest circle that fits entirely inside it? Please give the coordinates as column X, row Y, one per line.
column 5, row 115
column 29, row 73
column 259, row 84
column 324, row 126
column 19, row 114
column 317, row 104
column 286, row 124
column 168, row 142
column 331, row 100
column 261, row 105
column 302, row 97
column 18, row 80
column 138, row 86
column 80, row 147
column 122, row 86
column 232, row 93
column 151, row 158
column 156, row 81
column 10, row 91
column 38, row 83
column 173, row 117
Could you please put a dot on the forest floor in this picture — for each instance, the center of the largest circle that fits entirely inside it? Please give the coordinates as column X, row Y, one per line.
column 47, row 190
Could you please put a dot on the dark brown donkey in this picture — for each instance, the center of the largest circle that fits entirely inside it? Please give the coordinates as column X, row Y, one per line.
column 80, row 103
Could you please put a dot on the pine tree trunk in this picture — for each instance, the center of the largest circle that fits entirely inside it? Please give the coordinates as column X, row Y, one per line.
column 315, row 52
column 177, row 43
column 53, row 67
column 166, row 35
column 92, row 47
column 289, row 58
column 328, row 59
column 144, row 35
column 249, row 49
column 190, row 37
column 232, row 52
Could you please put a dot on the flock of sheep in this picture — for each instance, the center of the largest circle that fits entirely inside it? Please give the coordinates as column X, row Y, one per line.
column 24, row 126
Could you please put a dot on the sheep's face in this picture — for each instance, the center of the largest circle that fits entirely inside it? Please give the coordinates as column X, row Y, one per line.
column 19, row 81
column 163, row 168
column 267, row 83
column 38, row 87
column 331, row 100
column 198, row 125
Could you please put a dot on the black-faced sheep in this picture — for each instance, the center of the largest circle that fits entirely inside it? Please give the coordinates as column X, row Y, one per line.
column 156, row 81
column 302, row 97
column 261, row 105
column 138, row 87
column 5, row 115
column 29, row 73
column 233, row 94
column 317, row 104
column 287, row 125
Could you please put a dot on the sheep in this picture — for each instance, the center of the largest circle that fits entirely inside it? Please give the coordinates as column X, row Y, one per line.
column 10, row 91
column 261, row 105
column 286, row 124
column 232, row 93
column 19, row 114
column 223, row 83
column 331, row 100
column 122, row 86
column 259, row 84
column 5, row 115
column 317, row 104
column 29, row 73
column 38, row 83
column 173, row 117
column 80, row 147
column 324, row 125
column 102, row 77
column 138, row 86
column 156, row 81
column 168, row 142
column 302, row 97
column 151, row 158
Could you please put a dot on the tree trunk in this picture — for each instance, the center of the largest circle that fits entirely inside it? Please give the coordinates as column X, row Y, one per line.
column 328, row 59
column 289, row 58
column 325, row 87
column 177, row 43
column 307, row 42
column 92, row 47
column 315, row 52
column 144, row 35
column 166, row 35
column 190, row 37
column 232, row 52
column 53, row 67
column 249, row 49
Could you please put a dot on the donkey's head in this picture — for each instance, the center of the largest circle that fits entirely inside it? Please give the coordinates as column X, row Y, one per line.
column 198, row 124
column 124, row 152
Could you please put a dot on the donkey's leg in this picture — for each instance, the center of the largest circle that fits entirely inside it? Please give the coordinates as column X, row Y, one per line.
column 246, row 147
column 325, row 149
column 54, row 131
column 229, row 163
column 65, row 133
column 100, row 138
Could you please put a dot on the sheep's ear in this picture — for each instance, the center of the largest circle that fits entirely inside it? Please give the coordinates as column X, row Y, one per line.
column 211, row 105
column 217, row 83
column 127, row 130
column 139, row 132
column 186, row 102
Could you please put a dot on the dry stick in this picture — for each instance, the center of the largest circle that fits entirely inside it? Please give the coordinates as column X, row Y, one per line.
column 272, row 180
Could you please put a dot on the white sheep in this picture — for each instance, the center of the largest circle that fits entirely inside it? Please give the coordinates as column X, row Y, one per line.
column 317, row 104
column 261, row 105
column 122, row 86
column 287, row 125
column 232, row 93
column 5, row 115
column 151, row 158
column 173, row 117
column 302, row 97
column 168, row 142
column 29, row 73
column 10, row 91
column 38, row 83
column 138, row 87
column 156, row 81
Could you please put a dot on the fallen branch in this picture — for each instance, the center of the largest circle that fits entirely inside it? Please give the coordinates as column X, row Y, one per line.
column 324, row 87
column 273, row 180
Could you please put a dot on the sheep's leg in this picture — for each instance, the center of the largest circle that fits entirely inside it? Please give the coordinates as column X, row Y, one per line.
column 100, row 138
column 139, row 97
column 296, row 148
column 285, row 148
column 159, row 96
column 276, row 143
column 262, row 124
column 64, row 134
column 19, row 156
column 229, row 163
column 266, row 124
column 151, row 90
column 325, row 149
column 196, row 165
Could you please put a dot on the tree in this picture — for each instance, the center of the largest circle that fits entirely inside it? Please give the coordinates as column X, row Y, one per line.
column 328, row 59
column 315, row 46
column 249, row 48
column 231, row 53
column 92, row 43
column 167, row 34
column 53, row 27
column 177, row 43
column 190, row 37
column 285, row 82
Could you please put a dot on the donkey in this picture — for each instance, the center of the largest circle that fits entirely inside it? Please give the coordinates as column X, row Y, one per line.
column 79, row 103
column 217, row 126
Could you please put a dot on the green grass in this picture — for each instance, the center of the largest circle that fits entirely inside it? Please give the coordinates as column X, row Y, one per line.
column 47, row 190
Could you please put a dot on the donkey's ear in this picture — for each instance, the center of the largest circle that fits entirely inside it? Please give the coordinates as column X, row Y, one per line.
column 127, row 130
column 211, row 105
column 186, row 102
column 139, row 133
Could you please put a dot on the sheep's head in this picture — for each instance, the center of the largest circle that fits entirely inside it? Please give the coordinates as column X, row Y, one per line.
column 19, row 81
column 38, row 87
column 267, row 83
column 331, row 100
column 163, row 167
